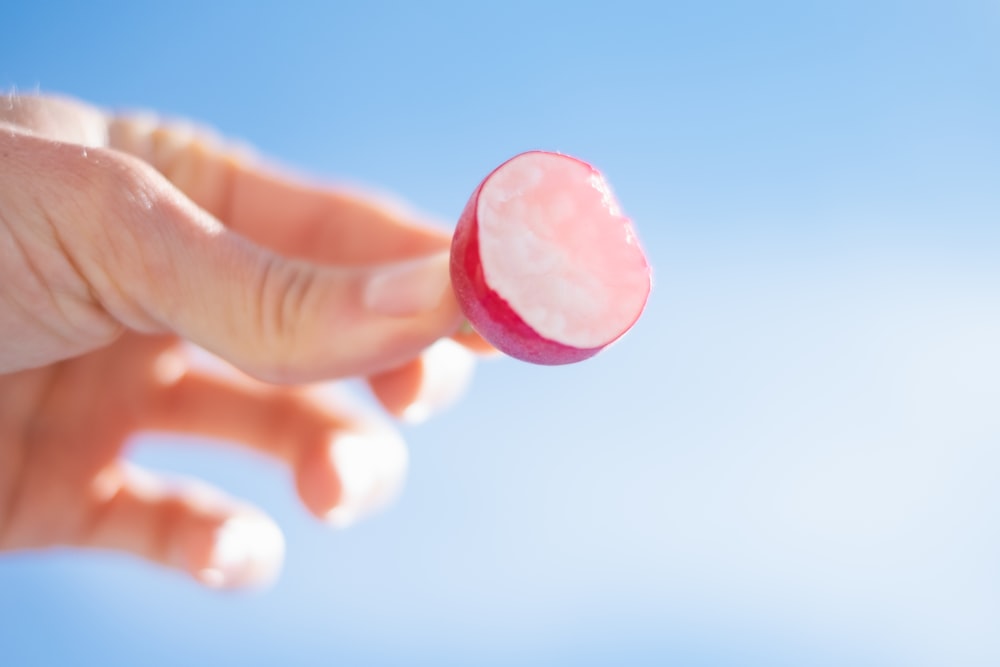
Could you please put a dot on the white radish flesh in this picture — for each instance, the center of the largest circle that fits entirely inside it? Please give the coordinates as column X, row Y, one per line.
column 545, row 265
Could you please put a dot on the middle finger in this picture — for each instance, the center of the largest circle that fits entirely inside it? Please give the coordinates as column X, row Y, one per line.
column 347, row 463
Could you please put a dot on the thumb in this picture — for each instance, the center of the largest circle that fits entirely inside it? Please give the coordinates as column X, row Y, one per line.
column 157, row 261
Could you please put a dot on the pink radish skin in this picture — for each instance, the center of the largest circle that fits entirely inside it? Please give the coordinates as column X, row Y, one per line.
column 544, row 264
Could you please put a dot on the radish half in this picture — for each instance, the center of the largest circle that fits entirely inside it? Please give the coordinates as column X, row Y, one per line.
column 544, row 264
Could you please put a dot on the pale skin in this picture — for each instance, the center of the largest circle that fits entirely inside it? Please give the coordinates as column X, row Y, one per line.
column 124, row 241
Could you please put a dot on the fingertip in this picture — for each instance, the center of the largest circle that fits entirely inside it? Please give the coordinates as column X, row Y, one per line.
column 353, row 477
column 409, row 288
column 185, row 525
column 427, row 385
column 397, row 388
column 371, row 470
column 448, row 371
column 247, row 551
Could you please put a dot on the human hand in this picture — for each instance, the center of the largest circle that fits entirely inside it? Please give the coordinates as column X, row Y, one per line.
column 122, row 237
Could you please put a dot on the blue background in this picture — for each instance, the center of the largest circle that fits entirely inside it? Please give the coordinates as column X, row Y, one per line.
column 791, row 460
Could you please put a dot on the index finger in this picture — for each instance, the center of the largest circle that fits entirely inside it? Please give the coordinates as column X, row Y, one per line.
column 278, row 210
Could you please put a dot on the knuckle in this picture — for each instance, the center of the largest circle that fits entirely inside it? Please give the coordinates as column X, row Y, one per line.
column 117, row 207
column 40, row 232
column 121, row 184
column 193, row 158
column 280, row 300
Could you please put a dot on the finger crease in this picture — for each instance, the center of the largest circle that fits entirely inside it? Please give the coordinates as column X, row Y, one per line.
column 27, row 309
column 91, row 294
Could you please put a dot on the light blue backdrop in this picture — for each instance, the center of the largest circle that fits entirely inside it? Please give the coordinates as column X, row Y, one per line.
column 791, row 460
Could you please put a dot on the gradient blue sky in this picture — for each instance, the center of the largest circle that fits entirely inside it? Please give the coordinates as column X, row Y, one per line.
column 791, row 460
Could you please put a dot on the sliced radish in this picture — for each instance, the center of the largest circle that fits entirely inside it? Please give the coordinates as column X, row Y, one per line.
column 543, row 262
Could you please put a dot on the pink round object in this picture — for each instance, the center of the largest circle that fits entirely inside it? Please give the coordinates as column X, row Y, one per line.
column 544, row 264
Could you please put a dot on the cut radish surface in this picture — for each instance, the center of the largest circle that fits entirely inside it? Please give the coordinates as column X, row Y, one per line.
column 543, row 262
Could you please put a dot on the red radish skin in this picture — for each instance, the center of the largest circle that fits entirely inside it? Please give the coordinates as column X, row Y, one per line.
column 560, row 274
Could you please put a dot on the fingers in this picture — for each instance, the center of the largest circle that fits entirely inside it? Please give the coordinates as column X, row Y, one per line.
column 183, row 525
column 427, row 385
column 157, row 262
column 347, row 465
column 275, row 210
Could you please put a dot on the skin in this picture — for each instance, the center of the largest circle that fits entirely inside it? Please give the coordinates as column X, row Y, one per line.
column 125, row 240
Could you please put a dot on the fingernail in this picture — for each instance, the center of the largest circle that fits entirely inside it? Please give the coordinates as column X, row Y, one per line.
column 448, row 369
column 248, row 551
column 371, row 469
column 409, row 288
